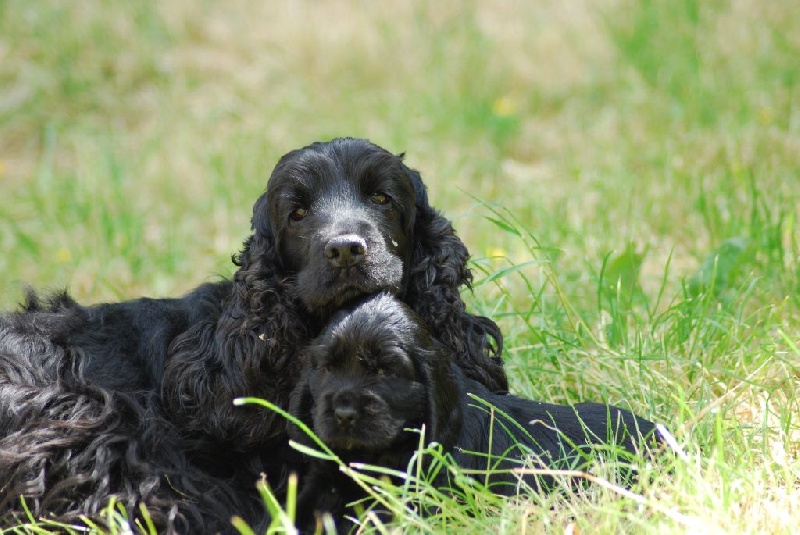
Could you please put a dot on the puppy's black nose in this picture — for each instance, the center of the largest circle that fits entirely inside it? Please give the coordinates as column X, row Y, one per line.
column 346, row 250
column 346, row 415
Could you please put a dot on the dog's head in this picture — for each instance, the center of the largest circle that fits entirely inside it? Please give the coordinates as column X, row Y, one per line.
column 344, row 219
column 341, row 215
column 373, row 373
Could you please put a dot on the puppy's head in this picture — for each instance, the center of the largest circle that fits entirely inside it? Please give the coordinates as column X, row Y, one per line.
column 373, row 373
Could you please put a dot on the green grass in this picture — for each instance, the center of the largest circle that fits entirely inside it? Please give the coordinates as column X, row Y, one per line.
column 625, row 174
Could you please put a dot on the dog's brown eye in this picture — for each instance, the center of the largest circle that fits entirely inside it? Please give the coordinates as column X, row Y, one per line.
column 379, row 198
column 298, row 214
column 381, row 371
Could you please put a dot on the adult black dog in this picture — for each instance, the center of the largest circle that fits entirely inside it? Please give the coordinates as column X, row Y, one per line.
column 134, row 399
column 375, row 374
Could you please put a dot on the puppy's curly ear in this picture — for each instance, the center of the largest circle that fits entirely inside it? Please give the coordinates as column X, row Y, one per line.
column 301, row 403
column 444, row 387
column 437, row 272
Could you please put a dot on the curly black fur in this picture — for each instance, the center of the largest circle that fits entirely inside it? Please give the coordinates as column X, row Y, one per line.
column 375, row 374
column 133, row 400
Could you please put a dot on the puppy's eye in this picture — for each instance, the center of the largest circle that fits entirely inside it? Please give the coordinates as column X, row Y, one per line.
column 298, row 214
column 379, row 198
column 381, row 371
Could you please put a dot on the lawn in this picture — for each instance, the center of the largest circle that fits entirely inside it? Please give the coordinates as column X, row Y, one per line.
column 625, row 173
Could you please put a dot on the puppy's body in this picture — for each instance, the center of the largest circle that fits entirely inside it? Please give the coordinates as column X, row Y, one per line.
column 534, row 435
column 375, row 372
column 133, row 400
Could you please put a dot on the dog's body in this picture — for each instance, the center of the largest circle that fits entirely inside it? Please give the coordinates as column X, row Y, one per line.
column 375, row 373
column 133, row 400
column 81, row 421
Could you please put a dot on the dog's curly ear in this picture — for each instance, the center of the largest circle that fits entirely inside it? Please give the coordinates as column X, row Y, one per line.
column 444, row 387
column 260, row 222
column 260, row 266
column 259, row 247
column 437, row 272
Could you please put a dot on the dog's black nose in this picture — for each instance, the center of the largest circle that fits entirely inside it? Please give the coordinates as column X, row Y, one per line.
column 346, row 250
column 346, row 415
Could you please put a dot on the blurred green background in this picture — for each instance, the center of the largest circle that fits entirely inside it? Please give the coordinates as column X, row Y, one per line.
column 134, row 136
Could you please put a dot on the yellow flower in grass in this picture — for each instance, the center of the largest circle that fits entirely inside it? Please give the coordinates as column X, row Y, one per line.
column 504, row 106
column 63, row 255
column 496, row 252
column 765, row 115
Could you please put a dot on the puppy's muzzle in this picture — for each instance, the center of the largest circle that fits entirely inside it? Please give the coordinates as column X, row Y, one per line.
column 346, row 409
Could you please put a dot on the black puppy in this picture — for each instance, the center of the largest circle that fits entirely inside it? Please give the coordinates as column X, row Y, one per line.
column 375, row 373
